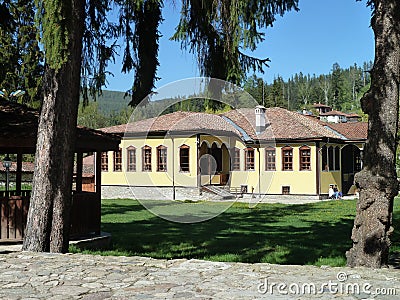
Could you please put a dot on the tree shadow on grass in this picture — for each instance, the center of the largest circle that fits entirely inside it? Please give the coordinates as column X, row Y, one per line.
column 285, row 234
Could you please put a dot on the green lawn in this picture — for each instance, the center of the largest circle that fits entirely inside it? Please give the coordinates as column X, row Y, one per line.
column 317, row 234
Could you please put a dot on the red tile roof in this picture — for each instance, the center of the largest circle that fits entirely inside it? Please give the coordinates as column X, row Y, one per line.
column 88, row 160
column 351, row 130
column 178, row 121
column 317, row 105
column 334, row 113
column 282, row 124
column 353, row 116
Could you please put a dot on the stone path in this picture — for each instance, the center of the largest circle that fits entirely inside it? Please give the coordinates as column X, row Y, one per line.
column 25, row 275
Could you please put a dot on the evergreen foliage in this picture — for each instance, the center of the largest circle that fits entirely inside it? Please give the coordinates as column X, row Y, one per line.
column 138, row 25
column 21, row 60
column 99, row 48
column 55, row 24
column 341, row 89
column 220, row 33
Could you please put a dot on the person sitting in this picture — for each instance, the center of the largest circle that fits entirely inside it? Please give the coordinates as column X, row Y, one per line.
column 338, row 194
column 331, row 192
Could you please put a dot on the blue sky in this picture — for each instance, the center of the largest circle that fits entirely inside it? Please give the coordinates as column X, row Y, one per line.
column 311, row 41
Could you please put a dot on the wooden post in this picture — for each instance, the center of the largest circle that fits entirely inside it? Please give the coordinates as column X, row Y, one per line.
column 79, row 169
column 18, row 178
column 98, row 173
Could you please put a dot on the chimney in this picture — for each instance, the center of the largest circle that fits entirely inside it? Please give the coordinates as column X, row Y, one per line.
column 260, row 118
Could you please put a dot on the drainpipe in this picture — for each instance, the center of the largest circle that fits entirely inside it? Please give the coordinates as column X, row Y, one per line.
column 259, row 172
column 317, row 148
column 198, row 162
column 173, row 169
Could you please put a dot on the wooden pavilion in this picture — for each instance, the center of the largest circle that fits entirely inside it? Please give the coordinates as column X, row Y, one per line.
column 18, row 131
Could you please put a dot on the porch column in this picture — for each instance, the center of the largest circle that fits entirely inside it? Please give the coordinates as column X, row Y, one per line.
column 18, row 178
column 318, row 168
column 79, row 169
column 198, row 163
column 97, row 170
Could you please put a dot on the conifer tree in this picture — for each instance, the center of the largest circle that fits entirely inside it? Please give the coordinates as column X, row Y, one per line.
column 377, row 180
column 224, row 27
column 217, row 32
column 48, row 221
column 21, row 60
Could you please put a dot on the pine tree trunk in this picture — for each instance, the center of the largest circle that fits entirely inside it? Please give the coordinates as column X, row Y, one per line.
column 49, row 213
column 378, row 181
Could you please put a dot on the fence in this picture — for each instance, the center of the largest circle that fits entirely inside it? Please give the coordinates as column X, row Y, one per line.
column 85, row 214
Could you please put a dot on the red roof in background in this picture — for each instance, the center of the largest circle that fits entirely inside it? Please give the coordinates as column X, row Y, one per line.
column 339, row 113
column 27, row 167
column 334, row 113
column 353, row 116
column 318, row 105
column 88, row 160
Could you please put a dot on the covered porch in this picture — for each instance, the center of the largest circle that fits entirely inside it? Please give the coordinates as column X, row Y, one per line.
column 339, row 164
column 18, row 127
column 214, row 163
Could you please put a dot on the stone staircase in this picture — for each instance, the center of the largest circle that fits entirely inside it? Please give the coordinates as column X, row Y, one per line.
column 224, row 194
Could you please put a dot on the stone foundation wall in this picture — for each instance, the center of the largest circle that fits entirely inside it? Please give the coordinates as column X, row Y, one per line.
column 192, row 193
column 153, row 193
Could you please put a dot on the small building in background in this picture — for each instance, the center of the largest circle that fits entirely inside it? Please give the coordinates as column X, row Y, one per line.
column 321, row 108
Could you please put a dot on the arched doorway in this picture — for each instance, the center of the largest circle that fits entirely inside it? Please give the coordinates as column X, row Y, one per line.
column 214, row 163
column 216, row 153
column 351, row 164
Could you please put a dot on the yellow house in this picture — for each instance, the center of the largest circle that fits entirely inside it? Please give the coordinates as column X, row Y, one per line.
column 262, row 151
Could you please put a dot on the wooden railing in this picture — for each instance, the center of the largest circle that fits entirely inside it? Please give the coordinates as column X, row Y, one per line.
column 216, row 179
column 13, row 212
column 85, row 215
column 24, row 193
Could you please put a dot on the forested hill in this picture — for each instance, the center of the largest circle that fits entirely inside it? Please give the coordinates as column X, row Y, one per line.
column 342, row 89
column 110, row 102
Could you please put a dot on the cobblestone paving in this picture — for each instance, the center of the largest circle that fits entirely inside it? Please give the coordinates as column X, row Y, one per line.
column 25, row 275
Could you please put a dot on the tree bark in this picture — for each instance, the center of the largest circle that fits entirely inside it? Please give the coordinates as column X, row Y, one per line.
column 378, row 181
column 49, row 213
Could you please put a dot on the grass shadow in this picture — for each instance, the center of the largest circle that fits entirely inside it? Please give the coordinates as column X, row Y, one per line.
column 317, row 233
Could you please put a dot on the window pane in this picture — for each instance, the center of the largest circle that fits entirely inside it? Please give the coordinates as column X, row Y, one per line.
column 161, row 159
column 146, row 159
column 184, row 159
column 270, row 157
column 287, row 159
column 249, row 159
column 236, row 160
column 131, row 154
column 305, row 158
column 104, row 161
column 118, row 160
column 285, row 190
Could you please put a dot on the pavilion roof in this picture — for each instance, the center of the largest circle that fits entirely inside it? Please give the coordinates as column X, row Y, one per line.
column 19, row 124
